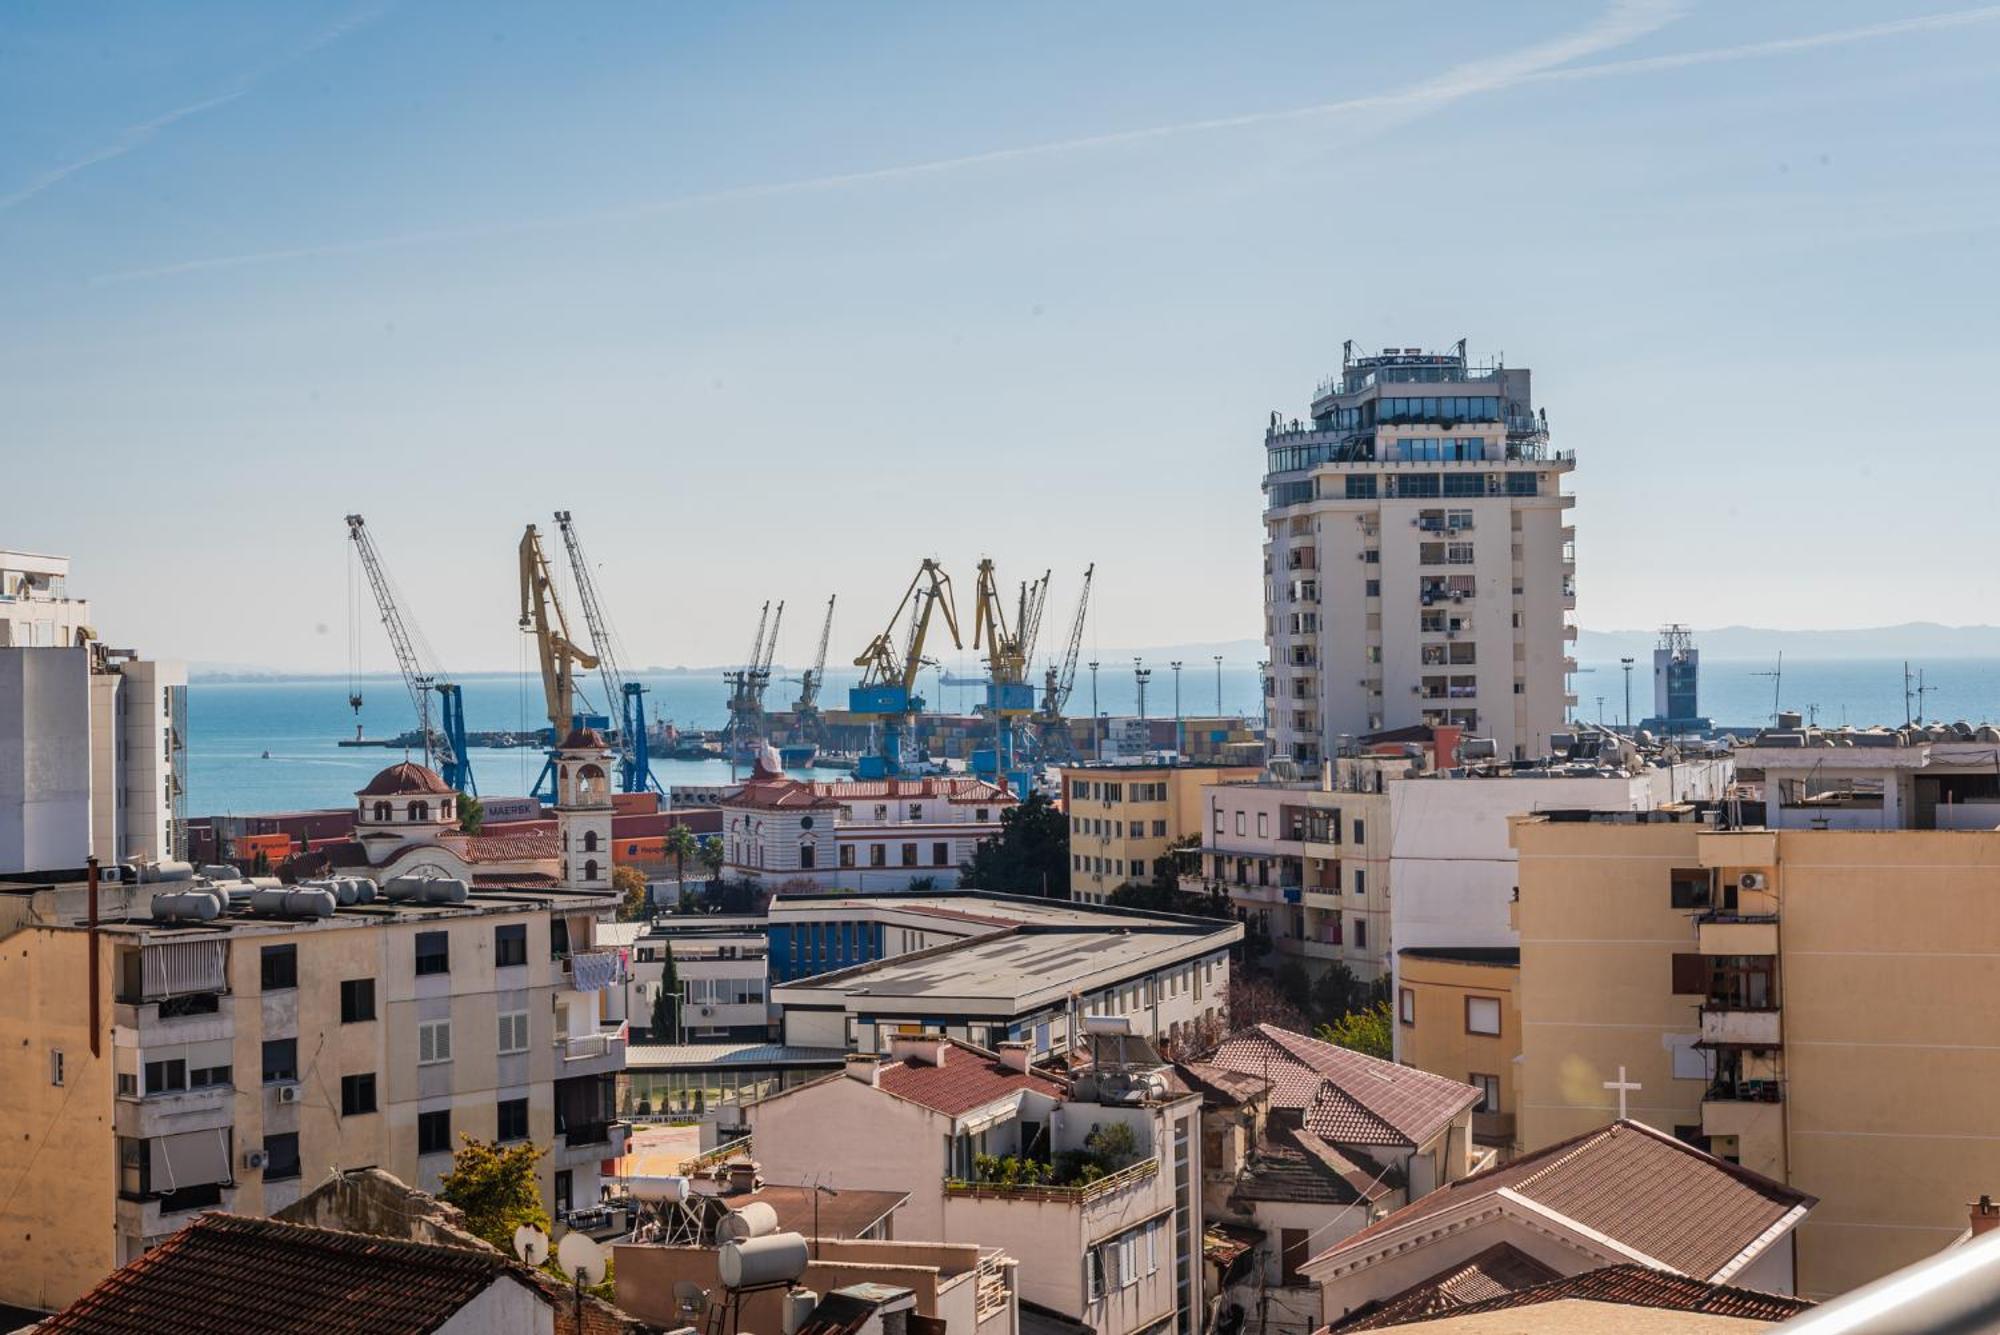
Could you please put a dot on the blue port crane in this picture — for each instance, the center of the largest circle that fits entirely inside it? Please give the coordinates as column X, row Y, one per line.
column 635, row 767
column 444, row 746
column 889, row 675
column 1010, row 696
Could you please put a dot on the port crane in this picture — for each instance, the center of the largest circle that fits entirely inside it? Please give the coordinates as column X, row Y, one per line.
column 542, row 616
column 1010, row 696
column 445, row 746
column 889, row 674
column 635, row 769
column 1052, row 735
column 746, row 725
column 808, row 723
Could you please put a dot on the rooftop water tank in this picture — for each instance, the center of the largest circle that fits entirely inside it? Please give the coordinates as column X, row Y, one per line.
column 755, row 1220
column 186, row 906
column 294, row 903
column 777, row 1259
column 658, row 1190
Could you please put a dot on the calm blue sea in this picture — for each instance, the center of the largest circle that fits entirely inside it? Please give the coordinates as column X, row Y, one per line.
column 300, row 721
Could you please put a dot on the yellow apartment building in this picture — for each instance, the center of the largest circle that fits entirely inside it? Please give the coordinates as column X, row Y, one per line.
column 1819, row 1005
column 1123, row 819
column 185, row 1048
column 1458, row 1015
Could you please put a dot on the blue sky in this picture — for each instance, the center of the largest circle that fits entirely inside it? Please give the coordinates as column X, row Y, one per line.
column 780, row 299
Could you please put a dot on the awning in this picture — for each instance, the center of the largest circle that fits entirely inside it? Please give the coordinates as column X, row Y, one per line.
column 973, row 1123
column 190, row 1159
column 175, row 968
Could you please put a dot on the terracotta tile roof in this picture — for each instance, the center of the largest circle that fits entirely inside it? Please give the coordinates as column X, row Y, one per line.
column 1499, row 1270
column 1220, row 1086
column 516, row 880
column 945, row 786
column 225, row 1272
column 1343, row 1096
column 529, row 846
column 1626, row 1286
column 778, row 795
column 1298, row 1167
column 406, row 779
column 1640, row 1187
column 969, row 1078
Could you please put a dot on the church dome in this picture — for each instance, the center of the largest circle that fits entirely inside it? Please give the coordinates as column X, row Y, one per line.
column 405, row 780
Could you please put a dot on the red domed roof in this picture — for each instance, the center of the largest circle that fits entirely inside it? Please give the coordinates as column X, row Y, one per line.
column 403, row 780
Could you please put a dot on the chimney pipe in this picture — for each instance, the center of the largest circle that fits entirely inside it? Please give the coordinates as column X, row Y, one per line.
column 1985, row 1215
column 865, row 1067
column 1014, row 1055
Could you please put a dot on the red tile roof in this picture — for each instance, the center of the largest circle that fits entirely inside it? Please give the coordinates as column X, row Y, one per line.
column 1343, row 1096
column 1625, row 1285
column 1642, row 1188
column 404, row 780
column 778, row 795
column 969, row 1078
column 1297, row 1167
column 528, row 846
column 1500, row 1269
column 225, row 1272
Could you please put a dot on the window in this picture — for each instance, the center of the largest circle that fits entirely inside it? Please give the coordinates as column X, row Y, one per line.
column 513, row 1032
column 55, row 1066
column 1263, row 825
column 909, row 855
column 357, row 1094
column 1406, row 1005
column 1138, row 868
column 1489, row 1092
column 916, row 811
column 433, row 1042
column 979, row 814
column 1688, row 889
column 1360, row 881
column 512, row 1122
column 510, row 945
column 1361, row 933
column 1360, row 486
column 166, row 1077
column 281, row 1157
column 1482, row 1015
column 878, row 855
column 806, row 857
column 1360, row 829
column 433, row 953
column 940, row 855
column 1159, row 829
column 847, row 855
column 434, row 1132
column 357, row 1000
column 1293, row 1249
column 281, row 1061
column 210, row 1077
column 278, row 968
column 1239, row 822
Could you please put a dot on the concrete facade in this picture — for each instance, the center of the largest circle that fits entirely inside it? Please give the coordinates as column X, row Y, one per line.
column 1123, row 819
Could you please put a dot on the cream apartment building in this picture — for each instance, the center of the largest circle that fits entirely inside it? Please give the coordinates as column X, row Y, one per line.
column 155, row 1064
column 1419, row 563
column 1123, row 819
column 1815, row 1004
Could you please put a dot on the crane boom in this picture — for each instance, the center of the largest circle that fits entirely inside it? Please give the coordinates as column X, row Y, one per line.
column 816, row 676
column 1059, row 684
column 761, row 678
column 542, row 615
column 880, row 662
column 448, row 751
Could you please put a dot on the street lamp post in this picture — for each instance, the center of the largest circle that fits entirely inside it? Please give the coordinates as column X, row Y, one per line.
column 1179, row 745
column 1218, row 685
column 1627, row 664
column 1143, row 675
column 1096, row 737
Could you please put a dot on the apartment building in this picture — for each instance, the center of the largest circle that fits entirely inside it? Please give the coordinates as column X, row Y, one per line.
column 1107, row 1230
column 1125, row 818
column 1816, row 1004
column 179, row 1046
column 856, row 834
column 1419, row 565
column 1458, row 1015
column 92, row 739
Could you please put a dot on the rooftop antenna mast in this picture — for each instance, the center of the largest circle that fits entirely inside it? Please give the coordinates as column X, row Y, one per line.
column 1777, row 677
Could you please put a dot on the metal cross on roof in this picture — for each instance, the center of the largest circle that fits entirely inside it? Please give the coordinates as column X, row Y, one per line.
column 1623, row 1086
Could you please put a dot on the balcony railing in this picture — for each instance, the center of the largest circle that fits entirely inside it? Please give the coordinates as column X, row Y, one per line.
column 588, row 1133
column 1076, row 1194
column 1744, row 1091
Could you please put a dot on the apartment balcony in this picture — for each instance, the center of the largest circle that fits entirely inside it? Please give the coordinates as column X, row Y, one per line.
column 593, row 970
column 1104, row 1188
column 1725, row 1026
column 149, row 1218
column 148, row 1116
column 1569, row 633
column 1731, row 934
column 1493, row 1128
column 601, row 1053
column 1747, row 1118
column 1311, row 950
column 198, row 1018
column 590, row 1142
column 1325, row 899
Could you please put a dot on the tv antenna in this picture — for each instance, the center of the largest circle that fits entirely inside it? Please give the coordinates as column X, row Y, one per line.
column 1920, row 690
column 1777, row 676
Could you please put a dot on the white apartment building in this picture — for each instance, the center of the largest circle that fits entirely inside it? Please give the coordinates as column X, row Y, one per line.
column 1419, row 564
column 92, row 739
column 856, row 834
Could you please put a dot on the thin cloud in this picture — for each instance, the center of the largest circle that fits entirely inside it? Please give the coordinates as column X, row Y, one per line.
column 134, row 137
column 1623, row 23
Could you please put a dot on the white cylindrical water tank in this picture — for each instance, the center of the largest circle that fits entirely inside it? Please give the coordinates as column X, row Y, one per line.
column 294, row 903
column 777, row 1259
column 657, row 1190
column 404, row 888
column 188, row 905
column 755, row 1220
column 445, row 890
column 167, row 871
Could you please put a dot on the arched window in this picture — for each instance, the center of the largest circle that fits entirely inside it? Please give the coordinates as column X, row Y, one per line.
column 444, row 809
column 590, row 869
column 806, row 856
column 382, row 811
column 565, row 841
column 590, row 841
column 420, row 811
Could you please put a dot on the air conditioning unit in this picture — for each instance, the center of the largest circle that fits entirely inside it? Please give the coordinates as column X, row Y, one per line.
column 1751, row 880
column 288, row 1093
column 254, row 1159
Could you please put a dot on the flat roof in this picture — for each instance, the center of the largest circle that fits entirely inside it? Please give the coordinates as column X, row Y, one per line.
column 480, row 903
column 704, row 1056
column 991, row 910
column 1497, row 955
column 1021, row 968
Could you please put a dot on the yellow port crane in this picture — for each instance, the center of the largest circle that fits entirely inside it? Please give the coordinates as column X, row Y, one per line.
column 889, row 676
column 1009, row 694
column 542, row 616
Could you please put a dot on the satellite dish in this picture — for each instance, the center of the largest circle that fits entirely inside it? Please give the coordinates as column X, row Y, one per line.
column 531, row 1244
column 581, row 1258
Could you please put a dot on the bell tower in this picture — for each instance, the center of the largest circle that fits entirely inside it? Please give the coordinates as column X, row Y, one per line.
column 583, row 810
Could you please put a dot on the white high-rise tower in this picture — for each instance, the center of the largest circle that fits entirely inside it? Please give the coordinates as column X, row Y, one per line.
column 1418, row 563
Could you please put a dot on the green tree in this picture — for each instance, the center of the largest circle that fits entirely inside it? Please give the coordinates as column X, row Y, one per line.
column 1294, row 984
column 1030, row 854
column 498, row 1187
column 712, row 856
column 667, row 1002
column 1336, row 992
column 630, row 885
column 681, row 846
column 471, row 814
column 1363, row 1030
